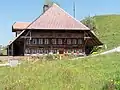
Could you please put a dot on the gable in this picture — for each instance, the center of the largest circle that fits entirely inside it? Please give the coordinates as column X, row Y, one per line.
column 56, row 18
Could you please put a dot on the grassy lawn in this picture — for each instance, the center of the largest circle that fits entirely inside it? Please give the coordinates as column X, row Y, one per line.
column 84, row 74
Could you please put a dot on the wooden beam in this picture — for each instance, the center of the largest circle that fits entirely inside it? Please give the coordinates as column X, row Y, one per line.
column 12, row 50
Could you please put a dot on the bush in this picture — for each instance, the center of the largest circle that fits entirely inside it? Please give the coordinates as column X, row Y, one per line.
column 113, row 84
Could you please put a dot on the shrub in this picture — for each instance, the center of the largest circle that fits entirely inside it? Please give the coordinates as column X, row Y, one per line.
column 113, row 84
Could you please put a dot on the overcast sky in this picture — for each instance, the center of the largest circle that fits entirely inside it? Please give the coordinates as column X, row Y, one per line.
column 27, row 10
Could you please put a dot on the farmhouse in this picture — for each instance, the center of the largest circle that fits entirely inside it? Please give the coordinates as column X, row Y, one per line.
column 54, row 31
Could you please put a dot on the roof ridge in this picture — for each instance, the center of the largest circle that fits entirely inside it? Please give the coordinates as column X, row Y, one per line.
column 55, row 5
column 71, row 16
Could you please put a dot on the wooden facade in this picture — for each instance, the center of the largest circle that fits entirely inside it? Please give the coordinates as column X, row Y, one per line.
column 45, row 42
column 54, row 42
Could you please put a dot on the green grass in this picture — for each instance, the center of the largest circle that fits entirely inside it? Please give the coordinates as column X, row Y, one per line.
column 108, row 29
column 84, row 74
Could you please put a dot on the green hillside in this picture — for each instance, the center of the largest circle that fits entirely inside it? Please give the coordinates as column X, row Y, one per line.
column 108, row 29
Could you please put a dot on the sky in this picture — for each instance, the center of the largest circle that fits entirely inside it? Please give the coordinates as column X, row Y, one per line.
column 12, row 11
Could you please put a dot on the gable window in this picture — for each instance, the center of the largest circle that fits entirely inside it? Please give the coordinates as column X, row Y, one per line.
column 40, row 41
column 80, row 41
column 68, row 41
column 46, row 41
column 54, row 41
column 74, row 41
column 60, row 41
column 34, row 41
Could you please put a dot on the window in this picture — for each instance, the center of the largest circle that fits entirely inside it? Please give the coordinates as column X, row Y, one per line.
column 28, row 42
column 68, row 41
column 60, row 41
column 80, row 50
column 34, row 51
column 54, row 51
column 54, row 41
column 46, row 41
column 46, row 51
column 40, row 51
column 74, row 41
column 40, row 41
column 27, row 51
column 75, row 50
column 79, row 41
column 69, row 50
column 34, row 41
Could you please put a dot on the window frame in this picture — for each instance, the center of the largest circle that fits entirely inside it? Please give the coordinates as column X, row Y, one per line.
column 46, row 41
column 80, row 41
column 60, row 41
column 40, row 41
column 34, row 41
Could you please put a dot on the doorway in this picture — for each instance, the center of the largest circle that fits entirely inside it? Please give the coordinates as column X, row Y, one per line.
column 88, row 50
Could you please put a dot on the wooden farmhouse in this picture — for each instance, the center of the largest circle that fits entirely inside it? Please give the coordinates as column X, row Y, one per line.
column 54, row 31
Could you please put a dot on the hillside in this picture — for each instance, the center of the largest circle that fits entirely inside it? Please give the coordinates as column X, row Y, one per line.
column 108, row 29
column 85, row 74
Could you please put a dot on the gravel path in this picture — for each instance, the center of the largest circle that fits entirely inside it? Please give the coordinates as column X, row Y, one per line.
column 104, row 53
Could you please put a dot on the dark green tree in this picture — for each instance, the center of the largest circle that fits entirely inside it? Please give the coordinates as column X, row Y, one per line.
column 90, row 22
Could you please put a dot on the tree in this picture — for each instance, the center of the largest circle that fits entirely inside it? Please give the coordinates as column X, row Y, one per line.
column 90, row 22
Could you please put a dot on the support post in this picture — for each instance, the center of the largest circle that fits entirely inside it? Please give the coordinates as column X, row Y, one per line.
column 24, row 47
column 12, row 50
column 84, row 44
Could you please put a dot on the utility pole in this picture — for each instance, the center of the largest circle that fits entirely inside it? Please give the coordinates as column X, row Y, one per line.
column 74, row 9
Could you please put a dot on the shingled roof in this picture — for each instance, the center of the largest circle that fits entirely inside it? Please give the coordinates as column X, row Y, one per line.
column 54, row 18
column 20, row 26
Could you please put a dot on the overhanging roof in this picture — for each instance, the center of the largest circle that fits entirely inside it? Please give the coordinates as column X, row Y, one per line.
column 18, row 26
column 54, row 18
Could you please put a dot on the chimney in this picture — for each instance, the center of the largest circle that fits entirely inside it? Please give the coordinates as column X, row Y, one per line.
column 45, row 7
